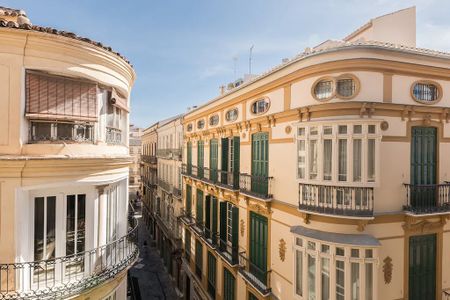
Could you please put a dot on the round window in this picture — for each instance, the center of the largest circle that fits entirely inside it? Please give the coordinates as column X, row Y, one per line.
column 214, row 120
column 200, row 124
column 323, row 89
column 231, row 115
column 260, row 106
column 426, row 92
column 346, row 87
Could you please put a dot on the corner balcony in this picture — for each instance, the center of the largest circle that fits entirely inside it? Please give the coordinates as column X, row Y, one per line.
column 113, row 136
column 255, row 276
column 336, row 200
column 256, row 186
column 422, row 199
column 67, row 276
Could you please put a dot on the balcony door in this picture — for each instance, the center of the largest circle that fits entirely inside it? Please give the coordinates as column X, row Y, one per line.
column 213, row 159
column 258, row 246
column 260, row 162
column 200, row 158
column 423, row 166
column 189, row 157
column 422, row 267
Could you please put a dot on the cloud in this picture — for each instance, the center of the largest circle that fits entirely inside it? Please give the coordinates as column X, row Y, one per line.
column 432, row 36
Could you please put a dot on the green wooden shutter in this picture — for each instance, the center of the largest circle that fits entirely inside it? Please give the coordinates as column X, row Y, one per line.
column 189, row 158
column 214, row 220
column 260, row 162
column 422, row 267
column 229, row 285
column 200, row 158
column 251, row 296
column 198, row 258
column 236, row 161
column 235, row 234
column 213, row 159
column 199, row 211
column 211, row 275
column 225, row 154
column 258, row 246
column 208, row 216
column 188, row 200
column 223, row 225
column 187, row 243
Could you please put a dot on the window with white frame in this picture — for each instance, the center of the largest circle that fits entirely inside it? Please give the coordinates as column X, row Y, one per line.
column 337, row 152
column 324, row 271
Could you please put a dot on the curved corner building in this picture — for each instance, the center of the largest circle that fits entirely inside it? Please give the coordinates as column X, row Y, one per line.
column 64, row 103
column 326, row 177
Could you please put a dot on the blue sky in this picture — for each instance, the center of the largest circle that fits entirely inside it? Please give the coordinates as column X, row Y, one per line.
column 183, row 50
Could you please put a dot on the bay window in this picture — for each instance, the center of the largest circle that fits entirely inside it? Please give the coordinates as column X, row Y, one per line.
column 338, row 153
column 352, row 267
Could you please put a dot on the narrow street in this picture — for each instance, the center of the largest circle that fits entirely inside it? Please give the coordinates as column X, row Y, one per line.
column 154, row 281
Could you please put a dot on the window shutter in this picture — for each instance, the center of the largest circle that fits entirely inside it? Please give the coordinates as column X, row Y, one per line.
column 51, row 97
column 214, row 220
column 236, row 160
column 235, row 233
column 224, row 155
column 208, row 216
column 223, row 225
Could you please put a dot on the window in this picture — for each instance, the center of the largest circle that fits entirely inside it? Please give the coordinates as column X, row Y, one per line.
column 214, row 120
column 320, row 263
column 229, row 218
column 345, row 87
column 61, row 131
column 75, row 231
column 337, row 152
column 231, row 115
column 44, row 233
column 189, row 127
column 198, row 258
column 323, row 89
column 211, row 275
column 260, row 106
column 229, row 285
column 200, row 124
column 426, row 92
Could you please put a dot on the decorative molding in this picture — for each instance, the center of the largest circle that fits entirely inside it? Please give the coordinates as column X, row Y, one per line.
column 282, row 249
column 384, row 125
column 387, row 269
column 362, row 225
column 260, row 209
column 423, row 226
column 288, row 129
column 242, row 227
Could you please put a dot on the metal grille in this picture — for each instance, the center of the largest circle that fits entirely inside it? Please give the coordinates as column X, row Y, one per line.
column 346, row 87
column 426, row 92
column 323, row 89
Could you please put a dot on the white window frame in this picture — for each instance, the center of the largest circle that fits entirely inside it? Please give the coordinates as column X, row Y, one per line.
column 335, row 136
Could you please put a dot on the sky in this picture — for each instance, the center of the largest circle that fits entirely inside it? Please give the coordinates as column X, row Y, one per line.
column 184, row 50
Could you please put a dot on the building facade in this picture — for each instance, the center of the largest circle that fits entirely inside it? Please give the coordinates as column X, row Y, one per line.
column 64, row 160
column 326, row 177
column 135, row 146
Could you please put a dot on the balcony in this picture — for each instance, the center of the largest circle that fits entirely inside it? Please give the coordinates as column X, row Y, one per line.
column 113, row 135
column 255, row 276
column 176, row 192
column 149, row 159
column 45, row 131
column 170, row 153
column 67, row 276
column 210, row 237
column 228, row 180
column 165, row 186
column 336, row 200
column 255, row 186
column 427, row 198
column 187, row 217
column 228, row 252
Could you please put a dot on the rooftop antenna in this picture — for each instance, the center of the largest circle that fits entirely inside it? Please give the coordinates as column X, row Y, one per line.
column 235, row 59
column 250, row 61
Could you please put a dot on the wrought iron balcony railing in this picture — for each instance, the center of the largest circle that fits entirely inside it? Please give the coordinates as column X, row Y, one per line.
column 256, row 186
column 427, row 198
column 176, row 192
column 187, row 216
column 149, row 159
column 259, row 278
column 336, row 200
column 228, row 252
column 174, row 153
column 210, row 237
column 165, row 186
column 66, row 276
column 113, row 135
column 228, row 179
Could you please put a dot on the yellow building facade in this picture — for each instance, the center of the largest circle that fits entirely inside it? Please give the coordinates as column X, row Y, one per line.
column 326, row 177
column 64, row 164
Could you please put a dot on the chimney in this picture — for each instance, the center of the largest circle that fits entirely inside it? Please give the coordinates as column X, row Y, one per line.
column 222, row 89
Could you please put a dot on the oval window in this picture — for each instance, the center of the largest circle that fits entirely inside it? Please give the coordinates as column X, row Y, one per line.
column 189, row 127
column 214, row 120
column 323, row 89
column 260, row 106
column 231, row 115
column 426, row 92
column 346, row 87
column 200, row 124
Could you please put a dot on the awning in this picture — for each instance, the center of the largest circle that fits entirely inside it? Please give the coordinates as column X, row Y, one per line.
column 119, row 101
column 361, row 240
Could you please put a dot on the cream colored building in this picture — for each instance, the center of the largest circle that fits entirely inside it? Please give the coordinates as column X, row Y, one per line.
column 325, row 177
column 135, row 148
column 64, row 160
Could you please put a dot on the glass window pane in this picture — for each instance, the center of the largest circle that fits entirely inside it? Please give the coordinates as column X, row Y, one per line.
column 340, row 251
column 51, row 226
column 301, row 131
column 355, row 281
column 327, row 159
column 357, row 129
column 313, row 130
column 299, row 273
column 355, row 252
column 325, row 249
column 323, row 89
column 39, row 228
column 369, row 281
column 327, row 130
column 311, row 277
column 342, row 129
column 371, row 129
column 325, row 278
column 357, row 160
column 70, row 225
column 342, row 160
column 346, row 87
column 301, row 159
column 340, row 280
column 313, row 159
column 311, row 246
column 299, row 242
column 64, row 131
column 371, row 160
column 369, row 253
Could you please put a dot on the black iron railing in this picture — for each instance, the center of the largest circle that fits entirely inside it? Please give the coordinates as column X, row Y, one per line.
column 66, row 276
column 227, row 251
column 149, row 159
column 336, row 200
column 427, row 198
column 228, row 179
column 187, row 217
column 176, row 192
column 259, row 278
column 257, row 186
column 210, row 236
column 200, row 172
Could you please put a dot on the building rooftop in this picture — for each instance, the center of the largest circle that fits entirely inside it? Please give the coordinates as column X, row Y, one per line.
column 17, row 19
